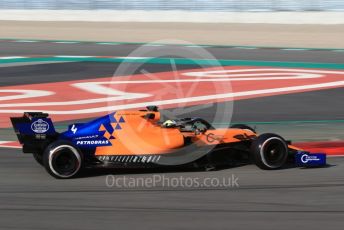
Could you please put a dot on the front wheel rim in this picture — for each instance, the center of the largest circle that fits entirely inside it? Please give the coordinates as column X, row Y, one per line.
column 273, row 152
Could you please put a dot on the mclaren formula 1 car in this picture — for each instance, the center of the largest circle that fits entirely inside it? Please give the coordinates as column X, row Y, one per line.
column 139, row 139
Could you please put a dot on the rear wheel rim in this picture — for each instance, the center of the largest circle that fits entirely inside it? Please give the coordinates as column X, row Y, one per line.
column 64, row 161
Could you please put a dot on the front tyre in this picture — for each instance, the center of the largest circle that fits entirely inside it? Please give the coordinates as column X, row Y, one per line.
column 269, row 151
column 62, row 160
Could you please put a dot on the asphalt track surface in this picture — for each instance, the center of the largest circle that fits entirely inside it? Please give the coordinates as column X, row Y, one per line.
column 289, row 198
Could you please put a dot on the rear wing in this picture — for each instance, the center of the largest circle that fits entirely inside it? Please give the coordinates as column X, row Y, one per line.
column 34, row 131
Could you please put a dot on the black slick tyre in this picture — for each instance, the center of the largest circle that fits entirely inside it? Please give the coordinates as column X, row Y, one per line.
column 38, row 158
column 269, row 151
column 62, row 160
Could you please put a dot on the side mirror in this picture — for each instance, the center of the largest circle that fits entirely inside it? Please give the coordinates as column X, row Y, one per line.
column 152, row 108
column 149, row 116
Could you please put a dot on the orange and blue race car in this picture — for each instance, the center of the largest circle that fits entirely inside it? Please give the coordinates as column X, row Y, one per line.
column 139, row 139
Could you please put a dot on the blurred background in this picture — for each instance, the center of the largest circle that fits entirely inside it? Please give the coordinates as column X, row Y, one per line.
column 287, row 23
column 191, row 5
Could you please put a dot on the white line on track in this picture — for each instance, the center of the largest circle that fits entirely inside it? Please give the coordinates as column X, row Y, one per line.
column 153, row 44
column 192, row 99
column 108, row 43
column 245, row 48
column 7, row 144
column 196, row 46
column 115, row 95
column 64, row 56
column 66, row 42
column 24, row 63
column 26, row 41
column 133, row 58
column 92, row 87
column 295, row 49
column 23, row 93
column 11, row 57
column 189, row 46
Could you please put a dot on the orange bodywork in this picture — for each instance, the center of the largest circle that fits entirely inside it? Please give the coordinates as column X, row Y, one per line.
column 140, row 135
column 292, row 147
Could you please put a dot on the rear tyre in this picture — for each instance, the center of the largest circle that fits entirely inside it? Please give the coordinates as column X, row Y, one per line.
column 242, row 126
column 38, row 157
column 269, row 151
column 62, row 160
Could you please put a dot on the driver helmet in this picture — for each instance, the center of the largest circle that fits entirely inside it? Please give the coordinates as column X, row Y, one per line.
column 169, row 124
